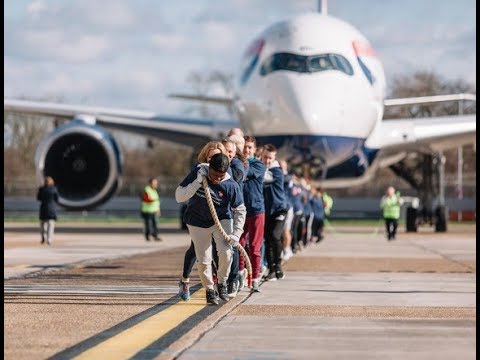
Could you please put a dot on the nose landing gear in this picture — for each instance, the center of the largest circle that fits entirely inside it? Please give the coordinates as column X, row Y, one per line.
column 427, row 176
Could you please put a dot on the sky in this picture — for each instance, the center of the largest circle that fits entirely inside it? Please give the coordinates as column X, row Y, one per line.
column 133, row 53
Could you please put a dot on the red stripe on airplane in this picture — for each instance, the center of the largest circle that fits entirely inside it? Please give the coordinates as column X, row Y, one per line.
column 362, row 49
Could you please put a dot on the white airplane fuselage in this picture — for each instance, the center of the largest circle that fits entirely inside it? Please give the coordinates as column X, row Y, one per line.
column 313, row 87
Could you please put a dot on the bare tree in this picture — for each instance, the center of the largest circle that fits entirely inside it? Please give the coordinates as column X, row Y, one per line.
column 203, row 83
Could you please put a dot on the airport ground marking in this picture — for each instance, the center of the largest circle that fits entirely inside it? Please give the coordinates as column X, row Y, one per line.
column 127, row 343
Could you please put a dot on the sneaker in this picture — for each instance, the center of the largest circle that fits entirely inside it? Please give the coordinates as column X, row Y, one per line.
column 287, row 254
column 279, row 274
column 157, row 238
column 242, row 277
column 255, row 285
column 222, row 292
column 233, row 288
column 264, row 271
column 271, row 276
column 211, row 297
column 184, row 290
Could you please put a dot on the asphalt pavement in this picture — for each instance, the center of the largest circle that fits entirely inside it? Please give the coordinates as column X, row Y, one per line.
column 102, row 292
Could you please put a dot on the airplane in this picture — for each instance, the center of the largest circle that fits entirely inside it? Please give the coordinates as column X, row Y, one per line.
column 312, row 85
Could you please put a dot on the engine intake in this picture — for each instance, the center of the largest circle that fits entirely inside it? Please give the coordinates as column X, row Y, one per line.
column 85, row 162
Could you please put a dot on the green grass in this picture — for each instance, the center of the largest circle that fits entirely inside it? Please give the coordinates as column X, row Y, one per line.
column 89, row 219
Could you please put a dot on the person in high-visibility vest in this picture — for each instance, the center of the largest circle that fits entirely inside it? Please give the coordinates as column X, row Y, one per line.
column 151, row 209
column 327, row 202
column 390, row 204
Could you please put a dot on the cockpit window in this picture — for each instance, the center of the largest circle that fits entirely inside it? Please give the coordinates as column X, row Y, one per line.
column 305, row 64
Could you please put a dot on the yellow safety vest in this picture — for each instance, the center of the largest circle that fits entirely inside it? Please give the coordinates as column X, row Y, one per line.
column 391, row 207
column 154, row 206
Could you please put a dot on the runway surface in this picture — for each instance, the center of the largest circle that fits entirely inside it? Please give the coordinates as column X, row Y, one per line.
column 103, row 292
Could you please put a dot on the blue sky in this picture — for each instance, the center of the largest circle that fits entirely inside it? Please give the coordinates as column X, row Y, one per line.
column 133, row 53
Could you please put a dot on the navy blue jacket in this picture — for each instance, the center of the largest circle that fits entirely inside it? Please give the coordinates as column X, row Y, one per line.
column 48, row 196
column 238, row 171
column 296, row 198
column 253, row 187
column 275, row 201
column 307, row 206
column 318, row 207
column 225, row 195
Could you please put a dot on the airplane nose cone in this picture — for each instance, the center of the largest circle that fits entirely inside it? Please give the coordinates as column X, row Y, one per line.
column 312, row 100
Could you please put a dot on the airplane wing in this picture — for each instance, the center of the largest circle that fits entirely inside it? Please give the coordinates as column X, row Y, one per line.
column 434, row 133
column 219, row 100
column 181, row 130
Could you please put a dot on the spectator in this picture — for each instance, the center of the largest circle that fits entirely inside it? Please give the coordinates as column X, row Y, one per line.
column 48, row 196
column 150, row 209
column 390, row 204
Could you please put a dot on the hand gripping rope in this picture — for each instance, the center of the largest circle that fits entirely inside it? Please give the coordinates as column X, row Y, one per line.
column 224, row 234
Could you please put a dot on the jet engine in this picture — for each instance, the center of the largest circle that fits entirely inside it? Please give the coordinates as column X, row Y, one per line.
column 85, row 162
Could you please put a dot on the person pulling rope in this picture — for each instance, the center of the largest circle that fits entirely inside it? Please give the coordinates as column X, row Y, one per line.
column 241, row 249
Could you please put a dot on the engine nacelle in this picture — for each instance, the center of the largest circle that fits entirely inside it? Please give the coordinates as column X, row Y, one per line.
column 85, row 162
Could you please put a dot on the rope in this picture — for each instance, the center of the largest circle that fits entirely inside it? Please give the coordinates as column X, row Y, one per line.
column 213, row 212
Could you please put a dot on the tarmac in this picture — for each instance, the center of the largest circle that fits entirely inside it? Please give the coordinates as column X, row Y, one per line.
column 100, row 291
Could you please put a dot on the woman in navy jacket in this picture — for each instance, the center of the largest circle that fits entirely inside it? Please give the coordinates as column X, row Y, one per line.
column 48, row 196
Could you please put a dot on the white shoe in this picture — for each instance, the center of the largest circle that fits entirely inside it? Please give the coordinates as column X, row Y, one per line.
column 242, row 279
column 256, row 285
column 264, row 271
column 287, row 254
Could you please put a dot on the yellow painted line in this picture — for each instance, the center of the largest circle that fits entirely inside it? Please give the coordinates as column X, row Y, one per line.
column 127, row 343
column 22, row 266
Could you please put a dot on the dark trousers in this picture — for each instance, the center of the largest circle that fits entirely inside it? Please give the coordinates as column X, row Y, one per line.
column 391, row 226
column 317, row 228
column 297, row 229
column 150, row 224
column 274, row 242
column 235, row 264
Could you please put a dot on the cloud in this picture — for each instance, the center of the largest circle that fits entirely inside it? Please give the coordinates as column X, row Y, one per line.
column 168, row 41
column 58, row 46
column 36, row 7
column 108, row 13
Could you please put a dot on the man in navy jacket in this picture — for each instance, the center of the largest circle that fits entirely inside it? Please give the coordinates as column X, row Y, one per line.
column 275, row 211
column 255, row 204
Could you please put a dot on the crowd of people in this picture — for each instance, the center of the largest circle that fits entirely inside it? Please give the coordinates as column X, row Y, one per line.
column 271, row 212
column 260, row 205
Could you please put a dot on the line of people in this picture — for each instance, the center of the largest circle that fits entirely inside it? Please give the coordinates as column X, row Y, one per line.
column 271, row 213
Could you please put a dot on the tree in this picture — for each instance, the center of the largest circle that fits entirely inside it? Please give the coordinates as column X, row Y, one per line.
column 204, row 83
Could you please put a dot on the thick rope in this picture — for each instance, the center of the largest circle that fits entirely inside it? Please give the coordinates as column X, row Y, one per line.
column 224, row 234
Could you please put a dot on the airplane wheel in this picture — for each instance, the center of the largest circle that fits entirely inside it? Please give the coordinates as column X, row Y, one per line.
column 411, row 219
column 441, row 219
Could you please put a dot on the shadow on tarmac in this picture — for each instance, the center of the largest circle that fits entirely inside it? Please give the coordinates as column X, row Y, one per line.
column 154, row 349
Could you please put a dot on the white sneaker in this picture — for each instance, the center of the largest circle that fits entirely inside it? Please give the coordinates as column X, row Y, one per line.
column 242, row 279
column 255, row 285
column 287, row 254
column 264, row 271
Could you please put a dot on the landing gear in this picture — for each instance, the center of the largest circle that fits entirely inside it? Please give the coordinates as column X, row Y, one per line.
column 411, row 219
column 426, row 174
